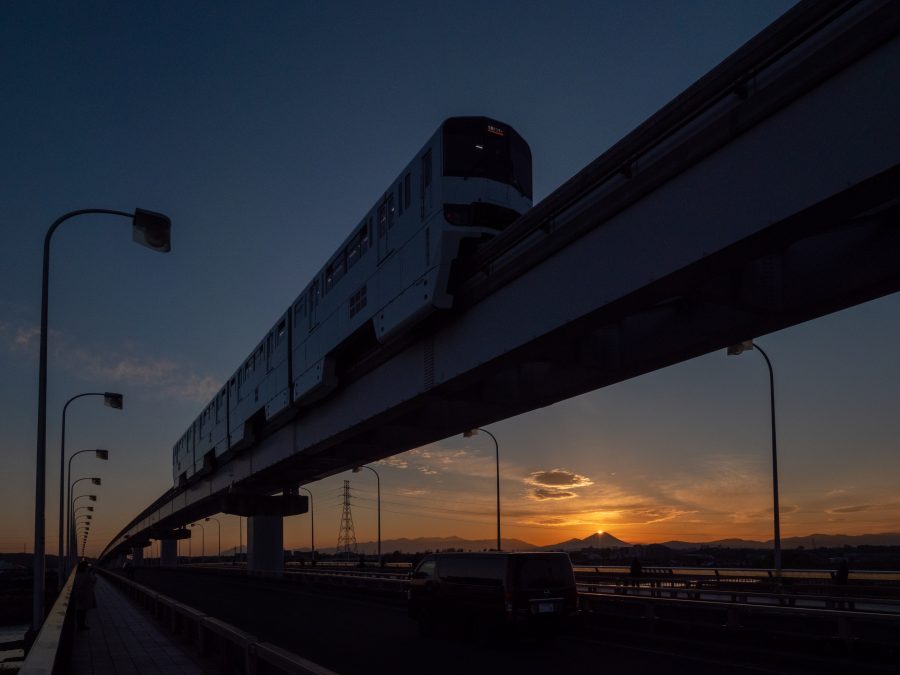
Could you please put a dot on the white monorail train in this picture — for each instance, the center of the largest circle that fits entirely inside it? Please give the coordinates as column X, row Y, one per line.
column 470, row 180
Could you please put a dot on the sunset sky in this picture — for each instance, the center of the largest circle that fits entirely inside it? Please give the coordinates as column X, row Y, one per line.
column 265, row 130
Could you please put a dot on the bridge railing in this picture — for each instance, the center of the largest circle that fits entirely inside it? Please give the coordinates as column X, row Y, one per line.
column 234, row 650
column 873, row 634
column 861, row 583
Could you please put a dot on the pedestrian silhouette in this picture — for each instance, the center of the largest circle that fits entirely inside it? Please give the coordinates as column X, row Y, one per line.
column 842, row 574
column 635, row 571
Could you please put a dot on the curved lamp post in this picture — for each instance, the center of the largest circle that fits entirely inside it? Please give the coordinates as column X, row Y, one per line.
column 73, row 547
column 149, row 229
column 357, row 469
column 312, row 527
column 110, row 399
column 219, row 526
column 100, row 454
column 473, row 432
column 735, row 350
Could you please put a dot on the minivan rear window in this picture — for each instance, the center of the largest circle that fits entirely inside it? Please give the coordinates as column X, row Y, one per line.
column 543, row 572
column 486, row 571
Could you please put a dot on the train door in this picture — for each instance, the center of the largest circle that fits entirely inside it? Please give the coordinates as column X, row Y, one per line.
column 312, row 303
column 425, row 185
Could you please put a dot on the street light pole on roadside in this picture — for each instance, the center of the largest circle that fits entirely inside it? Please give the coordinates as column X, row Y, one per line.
column 357, row 469
column 111, row 399
column 100, row 454
column 73, row 545
column 312, row 527
column 473, row 432
column 735, row 350
column 149, row 229
column 202, row 540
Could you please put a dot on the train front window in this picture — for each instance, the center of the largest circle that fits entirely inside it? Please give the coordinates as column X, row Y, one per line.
column 476, row 147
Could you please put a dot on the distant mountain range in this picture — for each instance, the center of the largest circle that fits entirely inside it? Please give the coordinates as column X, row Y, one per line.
column 606, row 540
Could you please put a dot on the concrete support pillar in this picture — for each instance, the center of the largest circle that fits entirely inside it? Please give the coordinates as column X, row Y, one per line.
column 137, row 556
column 168, row 552
column 265, row 543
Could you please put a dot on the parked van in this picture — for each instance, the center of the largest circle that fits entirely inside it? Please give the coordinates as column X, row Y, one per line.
column 506, row 589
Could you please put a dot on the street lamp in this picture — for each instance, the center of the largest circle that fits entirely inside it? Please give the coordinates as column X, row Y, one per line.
column 202, row 540
column 312, row 527
column 110, row 399
column 100, row 454
column 735, row 350
column 219, row 526
column 357, row 469
column 474, row 432
column 150, row 229
column 72, row 545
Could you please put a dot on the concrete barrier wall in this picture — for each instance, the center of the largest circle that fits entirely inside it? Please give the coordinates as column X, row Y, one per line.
column 50, row 651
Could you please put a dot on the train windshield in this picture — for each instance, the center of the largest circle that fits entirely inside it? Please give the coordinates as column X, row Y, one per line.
column 478, row 147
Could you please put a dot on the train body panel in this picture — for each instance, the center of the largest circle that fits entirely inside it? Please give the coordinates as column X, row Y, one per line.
column 471, row 179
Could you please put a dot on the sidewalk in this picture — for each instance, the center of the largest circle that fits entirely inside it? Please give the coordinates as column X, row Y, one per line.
column 124, row 639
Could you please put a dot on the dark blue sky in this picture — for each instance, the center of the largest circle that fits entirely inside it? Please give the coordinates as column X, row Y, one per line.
column 265, row 131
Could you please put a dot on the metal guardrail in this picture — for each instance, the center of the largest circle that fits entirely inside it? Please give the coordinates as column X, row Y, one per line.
column 797, row 587
column 849, row 627
column 745, row 587
column 48, row 653
column 234, row 650
column 651, row 589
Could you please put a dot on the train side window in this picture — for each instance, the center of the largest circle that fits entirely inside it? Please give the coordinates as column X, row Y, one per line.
column 366, row 235
column 339, row 267
column 407, row 181
column 400, row 197
column 282, row 326
column 299, row 309
column 390, row 209
column 382, row 219
column 356, row 246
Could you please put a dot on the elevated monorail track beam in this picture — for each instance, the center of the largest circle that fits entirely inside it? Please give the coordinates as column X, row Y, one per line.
column 731, row 99
column 744, row 213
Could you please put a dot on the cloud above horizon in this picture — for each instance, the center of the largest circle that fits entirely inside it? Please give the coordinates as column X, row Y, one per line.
column 167, row 376
column 555, row 484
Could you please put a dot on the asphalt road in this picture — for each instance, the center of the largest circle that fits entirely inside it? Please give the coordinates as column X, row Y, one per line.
column 351, row 633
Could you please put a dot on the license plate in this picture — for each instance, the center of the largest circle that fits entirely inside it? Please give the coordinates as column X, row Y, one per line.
column 546, row 608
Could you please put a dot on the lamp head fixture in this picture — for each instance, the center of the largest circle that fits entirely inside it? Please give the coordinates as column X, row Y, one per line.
column 740, row 348
column 96, row 481
column 113, row 400
column 102, row 454
column 153, row 230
